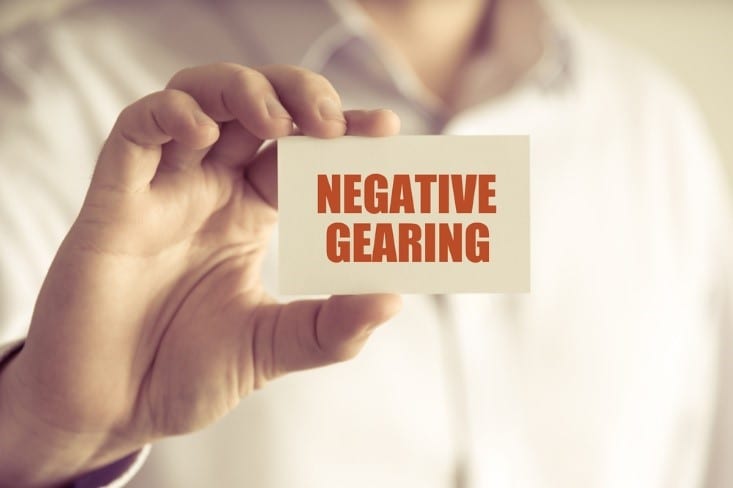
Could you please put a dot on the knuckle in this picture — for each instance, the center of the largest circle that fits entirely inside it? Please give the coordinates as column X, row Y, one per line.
column 178, row 77
column 311, row 80
column 171, row 97
column 171, row 107
column 311, row 86
column 268, row 69
column 225, row 66
column 298, row 78
column 162, row 111
column 132, row 118
column 247, row 79
column 182, row 77
column 127, row 113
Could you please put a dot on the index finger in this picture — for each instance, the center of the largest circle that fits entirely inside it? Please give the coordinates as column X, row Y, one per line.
column 227, row 91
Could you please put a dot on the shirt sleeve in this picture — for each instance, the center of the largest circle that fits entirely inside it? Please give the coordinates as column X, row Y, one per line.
column 701, row 200
column 711, row 210
column 718, row 213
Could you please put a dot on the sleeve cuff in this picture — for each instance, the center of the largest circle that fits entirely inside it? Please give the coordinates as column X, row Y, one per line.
column 115, row 475
column 9, row 349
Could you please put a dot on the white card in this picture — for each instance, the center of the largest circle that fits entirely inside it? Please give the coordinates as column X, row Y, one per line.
column 404, row 214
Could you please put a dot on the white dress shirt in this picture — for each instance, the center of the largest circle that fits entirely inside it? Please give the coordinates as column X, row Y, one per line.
column 605, row 375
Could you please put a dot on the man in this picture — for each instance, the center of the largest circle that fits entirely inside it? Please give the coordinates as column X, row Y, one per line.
column 153, row 320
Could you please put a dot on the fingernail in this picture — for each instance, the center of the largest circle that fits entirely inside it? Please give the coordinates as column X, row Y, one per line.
column 275, row 109
column 202, row 119
column 330, row 110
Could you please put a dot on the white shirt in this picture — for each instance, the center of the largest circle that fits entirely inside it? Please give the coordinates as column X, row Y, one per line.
column 605, row 375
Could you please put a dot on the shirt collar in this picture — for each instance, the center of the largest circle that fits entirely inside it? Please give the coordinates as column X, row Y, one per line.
column 322, row 27
column 306, row 37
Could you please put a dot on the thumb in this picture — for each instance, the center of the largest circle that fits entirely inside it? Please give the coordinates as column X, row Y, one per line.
column 307, row 334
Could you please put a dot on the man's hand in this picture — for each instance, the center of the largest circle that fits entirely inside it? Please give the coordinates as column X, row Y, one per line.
column 152, row 320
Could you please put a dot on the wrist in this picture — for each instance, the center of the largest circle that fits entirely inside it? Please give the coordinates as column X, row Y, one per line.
column 38, row 452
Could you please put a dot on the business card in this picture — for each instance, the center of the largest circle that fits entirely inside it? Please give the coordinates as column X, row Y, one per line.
column 404, row 214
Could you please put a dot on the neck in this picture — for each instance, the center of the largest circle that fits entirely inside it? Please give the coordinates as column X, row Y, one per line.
column 439, row 38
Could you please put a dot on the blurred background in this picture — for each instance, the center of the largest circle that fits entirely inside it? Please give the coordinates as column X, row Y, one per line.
column 693, row 39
